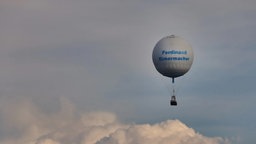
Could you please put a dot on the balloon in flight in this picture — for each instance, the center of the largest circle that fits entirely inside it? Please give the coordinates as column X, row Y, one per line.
column 172, row 57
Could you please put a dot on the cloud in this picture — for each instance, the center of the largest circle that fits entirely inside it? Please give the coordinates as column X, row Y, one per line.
column 25, row 123
column 166, row 132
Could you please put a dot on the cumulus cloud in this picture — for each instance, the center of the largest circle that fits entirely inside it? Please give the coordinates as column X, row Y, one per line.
column 26, row 124
column 166, row 132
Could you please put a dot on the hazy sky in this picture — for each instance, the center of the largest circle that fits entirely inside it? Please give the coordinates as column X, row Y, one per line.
column 61, row 59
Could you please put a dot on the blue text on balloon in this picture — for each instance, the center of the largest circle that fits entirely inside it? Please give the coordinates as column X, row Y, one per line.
column 172, row 52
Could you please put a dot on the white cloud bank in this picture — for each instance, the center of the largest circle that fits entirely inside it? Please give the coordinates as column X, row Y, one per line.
column 167, row 132
column 25, row 123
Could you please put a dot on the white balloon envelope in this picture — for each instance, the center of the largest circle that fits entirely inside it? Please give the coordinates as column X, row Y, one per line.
column 172, row 56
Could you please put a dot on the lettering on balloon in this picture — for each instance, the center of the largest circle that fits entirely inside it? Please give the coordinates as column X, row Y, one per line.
column 174, row 55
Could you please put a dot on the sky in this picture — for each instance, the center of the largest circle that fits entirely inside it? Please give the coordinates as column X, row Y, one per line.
column 81, row 72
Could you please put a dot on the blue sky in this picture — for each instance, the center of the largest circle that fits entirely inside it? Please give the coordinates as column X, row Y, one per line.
column 97, row 55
